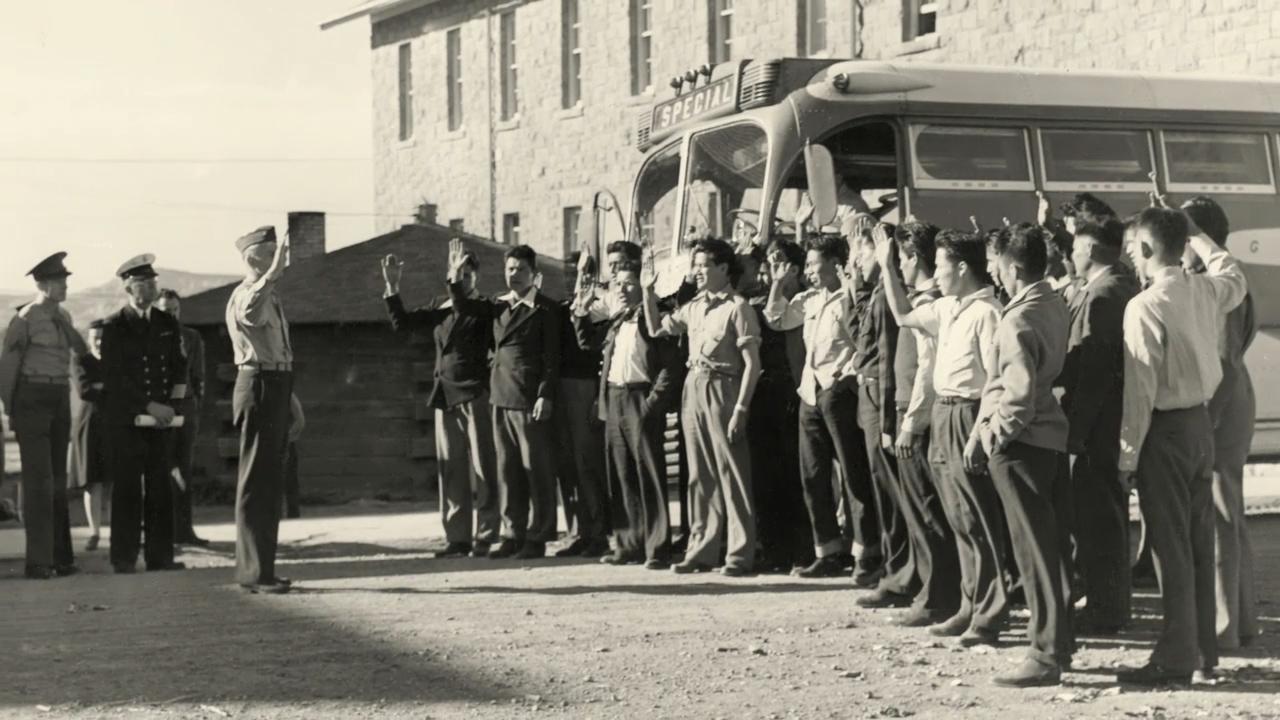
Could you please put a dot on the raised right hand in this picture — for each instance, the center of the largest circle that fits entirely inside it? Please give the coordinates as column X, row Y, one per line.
column 648, row 268
column 884, row 246
column 1044, row 210
column 392, row 269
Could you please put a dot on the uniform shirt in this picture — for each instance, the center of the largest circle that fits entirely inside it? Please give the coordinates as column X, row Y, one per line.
column 719, row 325
column 627, row 365
column 828, row 340
column 43, row 334
column 1171, row 332
column 913, row 365
column 965, row 329
column 256, row 324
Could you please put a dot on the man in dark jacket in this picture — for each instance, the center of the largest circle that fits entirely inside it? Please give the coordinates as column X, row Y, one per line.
column 460, row 398
column 640, row 383
column 144, row 375
column 522, row 385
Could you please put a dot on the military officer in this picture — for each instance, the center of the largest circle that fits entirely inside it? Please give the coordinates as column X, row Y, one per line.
column 35, row 387
column 144, row 375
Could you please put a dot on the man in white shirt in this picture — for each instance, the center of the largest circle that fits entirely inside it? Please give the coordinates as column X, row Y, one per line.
column 1171, row 370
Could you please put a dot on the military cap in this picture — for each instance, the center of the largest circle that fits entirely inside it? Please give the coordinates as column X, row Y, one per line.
column 264, row 234
column 50, row 268
column 137, row 267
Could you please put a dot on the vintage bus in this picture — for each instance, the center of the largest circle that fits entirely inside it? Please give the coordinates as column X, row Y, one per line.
column 944, row 143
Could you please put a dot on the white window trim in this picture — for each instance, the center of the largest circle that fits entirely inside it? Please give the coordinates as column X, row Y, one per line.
column 1219, row 188
column 1092, row 186
column 646, row 33
column 927, row 183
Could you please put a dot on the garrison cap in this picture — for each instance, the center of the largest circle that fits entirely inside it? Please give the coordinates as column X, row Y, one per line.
column 50, row 268
column 264, row 234
column 137, row 267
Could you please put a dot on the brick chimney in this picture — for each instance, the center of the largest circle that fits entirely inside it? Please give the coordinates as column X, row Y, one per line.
column 306, row 235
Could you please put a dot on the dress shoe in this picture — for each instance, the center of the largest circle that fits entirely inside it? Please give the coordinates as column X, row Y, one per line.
column 92, row 543
column 656, row 564
column 167, row 566
column 271, row 588
column 192, row 539
column 454, row 550
column 920, row 617
column 1152, row 675
column 124, row 568
column 973, row 638
column 823, row 567
column 680, row 543
column 594, row 548
column 532, row 551
column 955, row 626
column 1030, row 673
column 38, row 572
column 735, row 571
column 689, row 567
column 505, row 549
column 573, row 549
column 1205, row 676
column 867, row 579
column 65, row 570
column 480, row 549
column 883, row 599
column 619, row 559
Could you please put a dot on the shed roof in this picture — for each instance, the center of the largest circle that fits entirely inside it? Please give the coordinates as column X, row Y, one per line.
column 345, row 286
column 376, row 9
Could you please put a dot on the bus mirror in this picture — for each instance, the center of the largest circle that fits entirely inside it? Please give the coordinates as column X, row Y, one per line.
column 821, row 175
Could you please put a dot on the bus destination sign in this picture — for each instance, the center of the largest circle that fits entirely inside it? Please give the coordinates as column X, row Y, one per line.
column 710, row 99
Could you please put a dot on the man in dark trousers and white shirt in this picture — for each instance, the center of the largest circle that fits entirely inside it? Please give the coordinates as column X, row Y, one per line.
column 522, row 383
column 144, row 373
column 260, row 406
column 1171, row 370
column 460, row 399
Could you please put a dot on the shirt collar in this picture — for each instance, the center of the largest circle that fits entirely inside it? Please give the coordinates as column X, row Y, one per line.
column 713, row 298
column 1166, row 274
column 1030, row 292
column 512, row 299
column 982, row 293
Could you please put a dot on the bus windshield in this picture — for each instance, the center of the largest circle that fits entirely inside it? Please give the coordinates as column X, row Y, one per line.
column 725, row 178
column 655, row 206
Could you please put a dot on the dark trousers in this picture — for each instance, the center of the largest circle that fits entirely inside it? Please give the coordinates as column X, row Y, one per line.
column 973, row 510
column 468, row 471
column 1101, row 533
column 141, row 494
column 1175, row 489
column 260, row 406
column 782, row 522
column 579, row 439
column 933, row 545
column 899, row 566
column 526, row 475
column 637, row 475
column 184, row 445
column 292, row 500
column 1026, row 478
column 41, row 416
column 829, row 432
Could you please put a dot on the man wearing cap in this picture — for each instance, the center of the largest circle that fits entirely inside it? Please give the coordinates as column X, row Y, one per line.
column 260, row 406
column 144, row 376
column 35, row 387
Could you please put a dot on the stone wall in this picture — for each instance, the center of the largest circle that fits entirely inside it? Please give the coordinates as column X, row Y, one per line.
column 549, row 158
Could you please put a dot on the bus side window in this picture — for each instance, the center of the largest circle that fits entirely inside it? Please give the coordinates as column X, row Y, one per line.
column 1099, row 160
column 953, row 157
column 1222, row 162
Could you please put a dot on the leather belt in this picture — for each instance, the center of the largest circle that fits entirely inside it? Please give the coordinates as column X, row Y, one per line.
column 45, row 380
column 955, row 400
column 631, row 386
column 268, row 367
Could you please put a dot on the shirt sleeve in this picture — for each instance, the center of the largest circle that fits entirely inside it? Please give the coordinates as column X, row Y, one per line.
column 782, row 314
column 924, row 318
column 252, row 301
column 677, row 321
column 745, row 324
column 1143, row 353
column 1224, row 276
column 1015, row 406
column 919, row 407
column 16, row 340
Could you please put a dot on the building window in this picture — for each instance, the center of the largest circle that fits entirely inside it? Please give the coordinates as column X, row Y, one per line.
column 455, row 225
column 570, row 54
column 919, row 18
column 511, row 229
column 507, row 64
column 811, row 30
column 720, row 30
column 572, row 216
column 641, row 46
column 406, row 91
column 453, row 76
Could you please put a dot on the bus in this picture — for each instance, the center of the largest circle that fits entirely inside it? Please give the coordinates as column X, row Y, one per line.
column 946, row 142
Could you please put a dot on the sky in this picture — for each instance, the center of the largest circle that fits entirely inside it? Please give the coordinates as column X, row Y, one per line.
column 175, row 126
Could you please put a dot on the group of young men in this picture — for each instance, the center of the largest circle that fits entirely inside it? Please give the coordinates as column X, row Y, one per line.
column 969, row 409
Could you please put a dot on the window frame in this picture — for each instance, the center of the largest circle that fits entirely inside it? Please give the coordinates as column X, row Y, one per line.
column 639, row 9
column 570, row 217
column 1171, row 185
column 570, row 54
column 404, row 91
column 716, row 10
column 805, row 26
column 454, row 114
column 912, row 10
column 508, row 67
column 914, row 128
column 510, row 230
column 1070, row 186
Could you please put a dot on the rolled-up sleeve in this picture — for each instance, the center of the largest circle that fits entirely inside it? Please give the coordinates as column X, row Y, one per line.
column 251, row 302
column 782, row 314
column 745, row 325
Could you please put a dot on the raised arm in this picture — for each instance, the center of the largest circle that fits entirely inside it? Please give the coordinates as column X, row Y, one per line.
column 895, row 291
column 251, row 305
column 781, row 314
column 1222, row 271
column 658, row 324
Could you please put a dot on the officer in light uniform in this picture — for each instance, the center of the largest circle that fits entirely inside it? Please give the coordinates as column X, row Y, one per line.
column 35, row 387
column 144, row 375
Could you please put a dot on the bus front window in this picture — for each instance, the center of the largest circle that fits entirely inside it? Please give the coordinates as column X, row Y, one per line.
column 655, row 206
column 726, row 176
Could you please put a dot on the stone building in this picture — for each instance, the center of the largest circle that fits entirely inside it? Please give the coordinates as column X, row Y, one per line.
column 507, row 115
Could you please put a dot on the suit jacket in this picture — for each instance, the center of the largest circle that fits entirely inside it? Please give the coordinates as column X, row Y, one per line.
column 526, row 347
column 86, row 459
column 662, row 361
column 1092, row 376
column 462, row 344
column 142, row 362
column 1233, row 407
column 1031, row 344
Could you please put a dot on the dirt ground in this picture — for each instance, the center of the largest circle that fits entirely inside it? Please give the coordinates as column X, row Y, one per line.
column 378, row 629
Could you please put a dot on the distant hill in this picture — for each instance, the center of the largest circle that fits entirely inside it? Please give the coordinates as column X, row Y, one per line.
column 95, row 302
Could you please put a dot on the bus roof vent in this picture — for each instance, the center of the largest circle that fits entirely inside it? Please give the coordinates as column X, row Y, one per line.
column 759, row 84
column 644, row 127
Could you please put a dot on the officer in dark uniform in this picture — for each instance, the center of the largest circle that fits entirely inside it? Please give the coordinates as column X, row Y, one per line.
column 35, row 386
column 144, row 375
